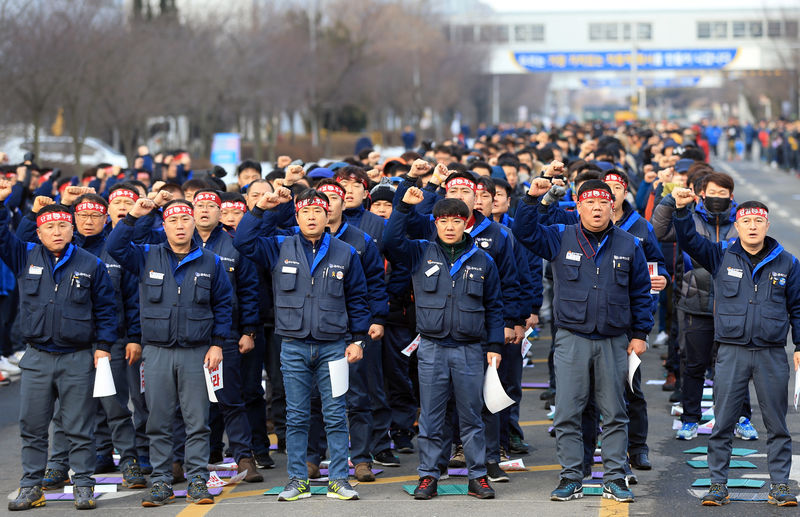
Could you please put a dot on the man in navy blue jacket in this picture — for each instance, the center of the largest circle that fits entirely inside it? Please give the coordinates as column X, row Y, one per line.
column 320, row 298
column 59, row 326
column 602, row 312
column 757, row 286
column 185, row 306
column 459, row 307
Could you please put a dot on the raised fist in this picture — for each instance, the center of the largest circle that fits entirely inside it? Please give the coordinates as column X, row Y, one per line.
column 269, row 200
column 539, row 186
column 683, row 197
column 556, row 168
column 142, row 207
column 283, row 161
column 162, row 198
column 40, row 202
column 293, row 174
column 413, row 196
column 419, row 168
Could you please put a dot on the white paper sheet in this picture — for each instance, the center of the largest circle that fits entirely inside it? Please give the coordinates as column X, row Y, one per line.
column 796, row 388
column 526, row 343
column 340, row 376
column 103, row 379
column 494, row 396
column 407, row 351
column 209, row 385
column 633, row 365
column 653, row 269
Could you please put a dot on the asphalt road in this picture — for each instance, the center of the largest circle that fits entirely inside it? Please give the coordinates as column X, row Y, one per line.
column 665, row 490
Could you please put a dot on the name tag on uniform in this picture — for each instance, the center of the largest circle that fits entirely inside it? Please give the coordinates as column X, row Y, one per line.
column 289, row 269
column 35, row 270
column 735, row 272
column 155, row 275
column 571, row 255
column 432, row 270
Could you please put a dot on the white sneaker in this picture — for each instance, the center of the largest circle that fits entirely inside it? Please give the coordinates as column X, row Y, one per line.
column 16, row 357
column 661, row 339
column 7, row 368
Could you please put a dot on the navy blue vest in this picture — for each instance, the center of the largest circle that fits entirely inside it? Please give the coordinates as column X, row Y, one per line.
column 115, row 273
column 373, row 226
column 750, row 312
column 309, row 298
column 593, row 298
column 449, row 300
column 173, row 314
column 221, row 243
column 354, row 237
column 59, row 313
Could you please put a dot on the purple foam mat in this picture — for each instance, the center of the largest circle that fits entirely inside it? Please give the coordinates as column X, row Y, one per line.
column 597, row 475
column 61, row 496
column 535, row 385
column 458, row 472
column 598, row 459
column 708, row 383
column 324, row 472
column 108, row 480
column 212, row 491
column 226, row 473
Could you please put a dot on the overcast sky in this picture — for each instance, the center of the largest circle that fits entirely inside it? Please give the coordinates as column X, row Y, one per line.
column 636, row 5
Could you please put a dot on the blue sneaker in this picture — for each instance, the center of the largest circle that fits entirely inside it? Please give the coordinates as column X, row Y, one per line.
column 688, row 431
column 567, row 489
column 717, row 495
column 745, row 430
column 617, row 490
column 105, row 464
column 145, row 465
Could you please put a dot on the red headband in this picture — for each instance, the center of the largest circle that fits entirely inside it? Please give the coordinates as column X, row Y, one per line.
column 208, row 196
column 238, row 205
column 759, row 212
column 615, row 177
column 178, row 209
column 53, row 216
column 123, row 192
column 314, row 201
column 90, row 205
column 595, row 193
column 334, row 189
column 460, row 182
column 351, row 177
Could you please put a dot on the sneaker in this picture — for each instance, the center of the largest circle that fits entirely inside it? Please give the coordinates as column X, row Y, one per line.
column 661, row 339
column 16, row 357
column 197, row 492
column 294, row 490
column 677, row 395
column 145, row 466
column 177, row 472
column 341, row 489
column 669, row 384
column 84, row 498
column 547, row 394
column 504, row 455
column 8, row 368
column 363, row 472
column 54, row 479
column 386, row 458
column 105, row 464
column 427, row 488
column 443, row 473
column 516, row 445
column 402, row 442
column 132, row 476
column 457, row 460
column 480, row 488
column 717, row 495
column 253, row 475
column 28, row 497
column 745, row 430
column 215, row 457
column 641, row 461
column 630, row 477
column 687, row 431
column 780, row 495
column 313, row 470
column 4, row 381
column 159, row 495
column 617, row 490
column 495, row 473
column 567, row 489
column 264, row 461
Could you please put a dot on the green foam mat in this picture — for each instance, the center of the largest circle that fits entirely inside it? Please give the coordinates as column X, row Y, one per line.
column 592, row 490
column 732, row 483
column 441, row 489
column 735, row 464
column 315, row 490
column 736, row 451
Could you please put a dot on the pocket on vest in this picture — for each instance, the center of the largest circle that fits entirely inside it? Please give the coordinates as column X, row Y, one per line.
column 199, row 324
column 619, row 313
column 332, row 316
column 622, row 273
column 77, row 325
column 30, row 284
column 430, row 314
column 202, row 290
column 155, row 324
column 153, row 289
column 775, row 325
column 33, row 319
column 289, row 312
column 572, row 306
column 470, row 321
column 731, row 319
column 729, row 288
column 79, row 291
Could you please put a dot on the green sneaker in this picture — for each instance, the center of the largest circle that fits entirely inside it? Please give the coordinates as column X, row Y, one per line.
column 341, row 489
column 294, row 490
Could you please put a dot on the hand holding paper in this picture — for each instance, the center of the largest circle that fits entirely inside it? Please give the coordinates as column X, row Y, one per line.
column 494, row 396
column 340, row 376
column 633, row 365
column 796, row 388
column 103, row 379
